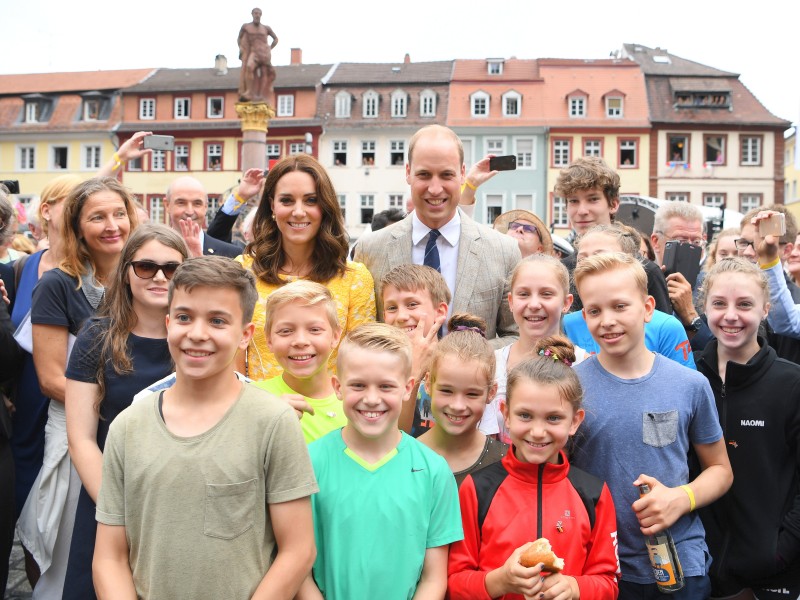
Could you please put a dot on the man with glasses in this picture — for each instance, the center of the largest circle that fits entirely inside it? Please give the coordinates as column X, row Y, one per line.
column 682, row 222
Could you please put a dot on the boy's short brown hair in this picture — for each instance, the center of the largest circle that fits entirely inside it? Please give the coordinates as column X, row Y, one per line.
column 217, row 272
column 411, row 278
column 611, row 261
column 305, row 293
column 586, row 173
column 377, row 337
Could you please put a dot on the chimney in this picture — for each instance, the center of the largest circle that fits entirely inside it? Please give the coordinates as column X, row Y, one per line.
column 407, row 59
column 297, row 56
column 220, row 64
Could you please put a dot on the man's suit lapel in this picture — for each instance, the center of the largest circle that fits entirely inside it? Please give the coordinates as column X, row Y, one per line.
column 468, row 265
column 399, row 250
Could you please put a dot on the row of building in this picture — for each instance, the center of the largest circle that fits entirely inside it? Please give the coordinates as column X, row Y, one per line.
column 673, row 128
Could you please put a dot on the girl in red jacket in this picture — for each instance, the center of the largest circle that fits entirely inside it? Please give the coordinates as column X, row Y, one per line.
column 534, row 492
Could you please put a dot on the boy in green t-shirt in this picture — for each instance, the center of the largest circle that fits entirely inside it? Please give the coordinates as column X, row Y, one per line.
column 206, row 485
column 388, row 508
column 302, row 330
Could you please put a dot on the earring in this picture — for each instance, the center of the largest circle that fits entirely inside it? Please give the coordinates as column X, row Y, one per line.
column 274, row 218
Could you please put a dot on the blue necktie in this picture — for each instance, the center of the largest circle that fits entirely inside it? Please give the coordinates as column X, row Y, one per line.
column 432, row 252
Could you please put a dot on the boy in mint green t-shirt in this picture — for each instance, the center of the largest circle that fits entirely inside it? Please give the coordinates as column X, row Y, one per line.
column 302, row 329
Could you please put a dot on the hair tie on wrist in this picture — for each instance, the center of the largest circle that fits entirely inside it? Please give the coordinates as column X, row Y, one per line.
column 473, row 329
column 555, row 356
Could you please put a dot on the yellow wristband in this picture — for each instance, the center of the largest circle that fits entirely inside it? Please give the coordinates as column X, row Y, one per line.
column 470, row 186
column 690, row 493
column 771, row 264
column 239, row 199
column 117, row 161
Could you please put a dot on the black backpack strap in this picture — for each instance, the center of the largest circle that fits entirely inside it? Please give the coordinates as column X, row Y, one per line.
column 589, row 489
column 18, row 265
column 487, row 481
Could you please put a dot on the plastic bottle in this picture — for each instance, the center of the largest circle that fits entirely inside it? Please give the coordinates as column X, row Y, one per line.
column 663, row 557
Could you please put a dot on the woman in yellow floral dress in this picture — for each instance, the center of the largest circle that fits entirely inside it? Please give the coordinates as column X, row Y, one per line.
column 299, row 233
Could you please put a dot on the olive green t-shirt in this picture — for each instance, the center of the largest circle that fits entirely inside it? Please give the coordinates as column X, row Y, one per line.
column 195, row 509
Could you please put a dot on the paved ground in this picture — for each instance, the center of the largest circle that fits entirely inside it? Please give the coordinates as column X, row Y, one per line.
column 17, row 587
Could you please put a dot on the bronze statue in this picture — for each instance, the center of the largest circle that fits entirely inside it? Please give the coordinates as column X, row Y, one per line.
column 255, row 51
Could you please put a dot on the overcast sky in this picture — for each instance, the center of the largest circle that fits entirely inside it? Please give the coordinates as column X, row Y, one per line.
column 760, row 44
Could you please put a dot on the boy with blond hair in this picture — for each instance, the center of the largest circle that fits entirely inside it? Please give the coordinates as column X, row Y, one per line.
column 388, row 507
column 644, row 412
column 206, row 485
column 302, row 330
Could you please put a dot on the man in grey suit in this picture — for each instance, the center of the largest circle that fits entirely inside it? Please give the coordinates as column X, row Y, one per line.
column 186, row 204
column 474, row 260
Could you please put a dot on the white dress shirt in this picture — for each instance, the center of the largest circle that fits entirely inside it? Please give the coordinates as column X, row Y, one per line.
column 447, row 244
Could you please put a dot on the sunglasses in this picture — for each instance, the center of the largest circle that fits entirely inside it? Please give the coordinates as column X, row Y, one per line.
column 525, row 227
column 147, row 269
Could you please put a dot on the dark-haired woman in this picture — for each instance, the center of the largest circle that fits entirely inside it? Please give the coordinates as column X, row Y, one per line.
column 299, row 233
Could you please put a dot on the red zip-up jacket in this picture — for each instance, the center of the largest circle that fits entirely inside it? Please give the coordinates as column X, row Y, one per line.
column 520, row 502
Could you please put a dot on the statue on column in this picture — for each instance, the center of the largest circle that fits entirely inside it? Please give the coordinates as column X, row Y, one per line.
column 255, row 52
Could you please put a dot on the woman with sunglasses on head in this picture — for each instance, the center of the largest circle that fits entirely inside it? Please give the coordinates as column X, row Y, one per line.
column 119, row 352
column 98, row 215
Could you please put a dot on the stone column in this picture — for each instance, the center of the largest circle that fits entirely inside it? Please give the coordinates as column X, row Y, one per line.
column 255, row 118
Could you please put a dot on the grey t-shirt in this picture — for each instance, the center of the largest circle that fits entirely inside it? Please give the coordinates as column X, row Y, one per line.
column 646, row 426
column 195, row 509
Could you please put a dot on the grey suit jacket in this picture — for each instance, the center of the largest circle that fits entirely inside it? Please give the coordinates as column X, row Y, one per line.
column 485, row 261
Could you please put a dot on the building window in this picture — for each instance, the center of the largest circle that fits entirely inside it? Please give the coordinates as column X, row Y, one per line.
column 751, row 151
column 213, row 157
column 91, row 109
column 467, row 143
column 273, row 152
column 512, row 104
column 397, row 152
column 494, row 207
column 214, row 203
column 399, row 103
column 370, row 108
column 368, row 153
column 628, row 155
column 134, row 164
column 678, row 149
column 60, row 157
column 216, row 107
column 297, row 148
column 343, row 103
column 367, row 208
column 155, row 206
column 479, row 102
column 713, row 200
column 748, row 202
column 494, row 67
column 343, row 205
column 183, row 108
column 427, row 103
column 577, row 106
column 714, row 149
column 395, row 200
column 32, row 111
column 340, row 153
column 286, row 105
column 524, row 202
column 561, row 153
column 593, row 148
column 27, row 158
column 614, row 108
column 678, row 196
column 91, row 157
column 524, row 152
column 560, row 218
column 147, row 109
column 158, row 160
column 181, row 157
column 496, row 146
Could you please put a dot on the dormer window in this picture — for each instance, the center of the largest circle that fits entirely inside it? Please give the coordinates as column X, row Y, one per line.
column 399, row 103
column 479, row 104
column 32, row 111
column 512, row 104
column 576, row 104
column 37, row 108
column 494, row 66
column 702, row 99
column 370, row 108
column 96, row 106
column 427, row 103
column 343, row 103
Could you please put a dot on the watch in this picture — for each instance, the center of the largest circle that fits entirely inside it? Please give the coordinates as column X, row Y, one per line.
column 695, row 325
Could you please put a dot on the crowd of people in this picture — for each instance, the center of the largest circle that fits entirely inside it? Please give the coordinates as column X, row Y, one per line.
column 185, row 417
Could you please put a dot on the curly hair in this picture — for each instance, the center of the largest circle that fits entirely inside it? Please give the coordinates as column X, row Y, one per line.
column 332, row 244
column 586, row 173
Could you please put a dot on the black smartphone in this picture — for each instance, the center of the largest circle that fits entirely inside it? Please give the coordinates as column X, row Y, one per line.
column 12, row 185
column 683, row 258
column 503, row 163
column 159, row 142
